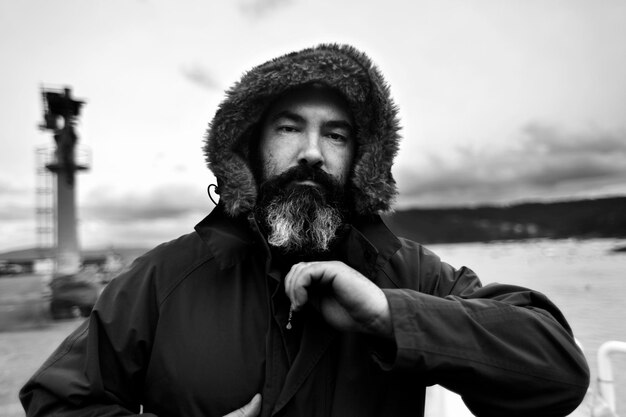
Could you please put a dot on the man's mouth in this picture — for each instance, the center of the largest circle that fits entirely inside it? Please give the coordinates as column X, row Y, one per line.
column 308, row 182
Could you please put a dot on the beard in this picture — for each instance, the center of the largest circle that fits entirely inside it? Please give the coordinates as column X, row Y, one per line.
column 300, row 219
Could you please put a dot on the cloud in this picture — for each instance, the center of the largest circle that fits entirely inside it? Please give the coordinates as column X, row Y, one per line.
column 550, row 140
column 18, row 233
column 17, row 214
column 9, row 188
column 260, row 8
column 168, row 201
column 108, row 216
column 545, row 162
column 17, row 201
column 560, row 157
column 201, row 76
column 16, row 211
column 143, row 218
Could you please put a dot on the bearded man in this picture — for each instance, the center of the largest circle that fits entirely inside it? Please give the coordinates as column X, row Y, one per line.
column 292, row 298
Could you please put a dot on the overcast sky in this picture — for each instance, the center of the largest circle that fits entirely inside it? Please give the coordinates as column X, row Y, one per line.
column 501, row 101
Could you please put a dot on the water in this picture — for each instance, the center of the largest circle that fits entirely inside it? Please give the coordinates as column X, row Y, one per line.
column 583, row 278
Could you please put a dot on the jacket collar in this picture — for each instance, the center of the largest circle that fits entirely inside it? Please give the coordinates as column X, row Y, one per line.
column 230, row 239
column 373, row 237
column 366, row 244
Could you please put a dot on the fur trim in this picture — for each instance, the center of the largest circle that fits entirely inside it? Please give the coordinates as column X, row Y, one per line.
column 341, row 67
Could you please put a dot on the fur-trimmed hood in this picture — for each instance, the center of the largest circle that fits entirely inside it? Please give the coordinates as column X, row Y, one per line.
column 340, row 67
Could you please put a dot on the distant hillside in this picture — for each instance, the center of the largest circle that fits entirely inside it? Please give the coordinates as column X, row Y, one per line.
column 571, row 219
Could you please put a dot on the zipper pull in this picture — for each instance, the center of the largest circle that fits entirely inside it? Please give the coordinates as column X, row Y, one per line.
column 289, row 326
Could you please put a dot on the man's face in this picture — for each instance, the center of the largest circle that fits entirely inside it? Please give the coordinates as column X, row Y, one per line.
column 306, row 150
column 310, row 126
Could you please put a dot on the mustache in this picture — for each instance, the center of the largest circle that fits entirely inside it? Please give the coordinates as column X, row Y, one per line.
column 298, row 173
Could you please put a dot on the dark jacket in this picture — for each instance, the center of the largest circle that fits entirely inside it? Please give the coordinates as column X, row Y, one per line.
column 196, row 327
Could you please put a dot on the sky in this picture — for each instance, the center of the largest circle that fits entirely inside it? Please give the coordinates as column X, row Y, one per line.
column 500, row 101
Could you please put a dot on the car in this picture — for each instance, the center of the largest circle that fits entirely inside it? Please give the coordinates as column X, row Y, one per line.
column 74, row 295
column 10, row 269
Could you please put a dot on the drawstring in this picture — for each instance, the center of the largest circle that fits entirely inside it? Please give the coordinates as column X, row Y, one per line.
column 208, row 190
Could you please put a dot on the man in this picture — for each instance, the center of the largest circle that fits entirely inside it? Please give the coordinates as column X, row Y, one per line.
column 292, row 298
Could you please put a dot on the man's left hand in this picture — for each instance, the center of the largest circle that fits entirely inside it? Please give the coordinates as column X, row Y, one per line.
column 347, row 300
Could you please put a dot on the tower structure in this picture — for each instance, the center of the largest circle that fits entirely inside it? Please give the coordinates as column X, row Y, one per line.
column 60, row 114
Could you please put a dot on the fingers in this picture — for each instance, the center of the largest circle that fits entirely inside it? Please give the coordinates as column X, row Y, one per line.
column 294, row 282
column 300, row 278
column 349, row 301
column 252, row 409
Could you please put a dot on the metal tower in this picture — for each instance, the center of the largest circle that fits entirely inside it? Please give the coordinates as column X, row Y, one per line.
column 60, row 114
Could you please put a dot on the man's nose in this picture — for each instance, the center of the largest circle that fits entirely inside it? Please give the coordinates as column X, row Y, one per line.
column 311, row 151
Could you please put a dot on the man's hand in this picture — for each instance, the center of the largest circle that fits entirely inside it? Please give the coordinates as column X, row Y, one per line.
column 347, row 300
column 252, row 409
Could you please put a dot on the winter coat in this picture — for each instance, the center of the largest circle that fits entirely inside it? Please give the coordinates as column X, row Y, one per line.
column 197, row 326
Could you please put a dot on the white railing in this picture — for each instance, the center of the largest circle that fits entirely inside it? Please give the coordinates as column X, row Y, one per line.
column 606, row 387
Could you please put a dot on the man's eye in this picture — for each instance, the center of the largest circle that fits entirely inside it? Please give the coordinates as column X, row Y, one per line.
column 287, row 129
column 337, row 137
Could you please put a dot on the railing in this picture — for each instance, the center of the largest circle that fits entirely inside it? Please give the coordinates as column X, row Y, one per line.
column 606, row 387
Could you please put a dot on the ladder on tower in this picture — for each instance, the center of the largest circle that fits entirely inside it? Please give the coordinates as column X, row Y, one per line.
column 44, row 208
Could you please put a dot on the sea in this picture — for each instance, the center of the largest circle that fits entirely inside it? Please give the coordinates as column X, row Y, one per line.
column 586, row 279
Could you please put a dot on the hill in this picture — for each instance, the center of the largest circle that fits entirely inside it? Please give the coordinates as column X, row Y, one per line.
column 568, row 219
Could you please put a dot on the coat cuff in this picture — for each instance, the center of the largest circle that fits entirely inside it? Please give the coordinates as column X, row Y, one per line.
column 400, row 354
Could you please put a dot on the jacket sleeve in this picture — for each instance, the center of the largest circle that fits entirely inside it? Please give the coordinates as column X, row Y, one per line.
column 98, row 369
column 507, row 350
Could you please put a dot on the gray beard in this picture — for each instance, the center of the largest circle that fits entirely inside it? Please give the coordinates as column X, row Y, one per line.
column 299, row 223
